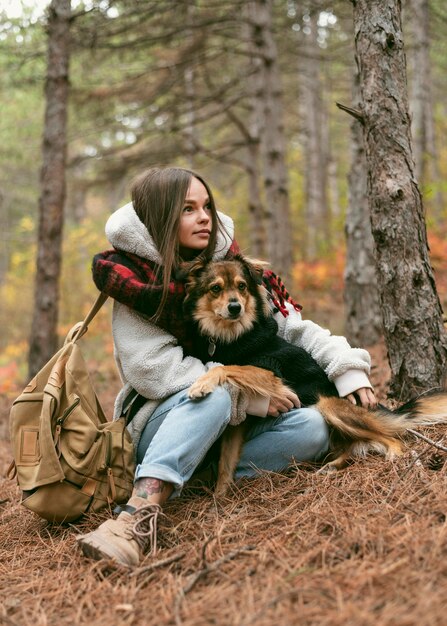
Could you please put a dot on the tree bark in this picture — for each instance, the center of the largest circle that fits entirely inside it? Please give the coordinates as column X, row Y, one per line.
column 190, row 131
column 421, row 106
column 43, row 342
column 256, row 123
column 256, row 209
column 5, row 252
column 363, row 317
column 412, row 314
column 315, row 148
column 273, row 141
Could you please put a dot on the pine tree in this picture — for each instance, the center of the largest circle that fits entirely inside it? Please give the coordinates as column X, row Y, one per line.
column 43, row 342
column 412, row 314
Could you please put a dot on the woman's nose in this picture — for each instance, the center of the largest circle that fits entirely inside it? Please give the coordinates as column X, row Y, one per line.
column 204, row 216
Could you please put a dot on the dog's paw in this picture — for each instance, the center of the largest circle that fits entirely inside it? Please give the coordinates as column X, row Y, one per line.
column 201, row 388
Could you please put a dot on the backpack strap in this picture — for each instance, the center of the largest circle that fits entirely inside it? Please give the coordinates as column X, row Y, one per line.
column 81, row 328
column 131, row 405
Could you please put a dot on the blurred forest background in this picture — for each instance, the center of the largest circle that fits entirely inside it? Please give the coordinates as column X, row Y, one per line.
column 246, row 93
column 179, row 82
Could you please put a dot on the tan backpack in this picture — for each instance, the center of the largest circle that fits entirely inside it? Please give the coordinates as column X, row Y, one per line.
column 68, row 458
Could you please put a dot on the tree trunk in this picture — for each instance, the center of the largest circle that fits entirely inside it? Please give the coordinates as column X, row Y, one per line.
column 363, row 317
column 5, row 252
column 190, row 131
column 77, row 187
column 421, row 106
column 256, row 208
column 412, row 314
column 258, row 235
column 43, row 342
column 316, row 158
column 273, row 141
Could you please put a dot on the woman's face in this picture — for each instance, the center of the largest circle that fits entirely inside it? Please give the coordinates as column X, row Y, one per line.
column 195, row 221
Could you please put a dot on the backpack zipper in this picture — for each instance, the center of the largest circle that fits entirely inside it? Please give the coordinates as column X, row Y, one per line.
column 108, row 452
column 59, row 423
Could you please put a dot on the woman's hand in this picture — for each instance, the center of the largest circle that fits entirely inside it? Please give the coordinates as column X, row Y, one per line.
column 283, row 404
column 366, row 396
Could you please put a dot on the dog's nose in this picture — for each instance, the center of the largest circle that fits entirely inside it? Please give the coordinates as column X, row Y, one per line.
column 234, row 308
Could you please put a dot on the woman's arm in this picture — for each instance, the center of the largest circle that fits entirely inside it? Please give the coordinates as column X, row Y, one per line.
column 332, row 352
column 149, row 358
column 347, row 367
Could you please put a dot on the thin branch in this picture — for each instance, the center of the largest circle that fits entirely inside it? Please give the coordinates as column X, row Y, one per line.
column 427, row 440
column 206, row 569
column 354, row 112
column 212, row 567
column 157, row 564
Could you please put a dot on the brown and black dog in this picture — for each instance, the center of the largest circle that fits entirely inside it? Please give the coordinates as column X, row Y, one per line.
column 233, row 324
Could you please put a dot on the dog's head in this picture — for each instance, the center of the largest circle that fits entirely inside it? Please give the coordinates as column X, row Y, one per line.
column 225, row 297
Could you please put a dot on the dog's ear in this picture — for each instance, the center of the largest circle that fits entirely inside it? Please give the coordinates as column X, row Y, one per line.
column 189, row 269
column 189, row 273
column 254, row 267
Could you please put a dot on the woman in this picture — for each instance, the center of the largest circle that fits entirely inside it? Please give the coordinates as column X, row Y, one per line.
column 172, row 218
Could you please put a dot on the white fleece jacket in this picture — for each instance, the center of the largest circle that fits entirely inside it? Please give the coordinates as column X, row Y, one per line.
column 150, row 360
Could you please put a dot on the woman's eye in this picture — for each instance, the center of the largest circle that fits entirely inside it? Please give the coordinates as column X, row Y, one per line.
column 187, row 209
column 242, row 286
column 216, row 289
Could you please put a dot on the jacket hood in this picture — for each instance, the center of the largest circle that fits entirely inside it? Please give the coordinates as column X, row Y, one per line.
column 126, row 232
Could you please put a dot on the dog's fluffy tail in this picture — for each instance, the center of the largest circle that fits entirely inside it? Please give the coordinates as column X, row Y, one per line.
column 356, row 422
column 426, row 410
column 356, row 431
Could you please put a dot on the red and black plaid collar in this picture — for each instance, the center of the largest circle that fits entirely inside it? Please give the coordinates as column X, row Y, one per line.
column 136, row 282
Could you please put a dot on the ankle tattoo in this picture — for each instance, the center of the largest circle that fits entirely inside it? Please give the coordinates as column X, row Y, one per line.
column 145, row 487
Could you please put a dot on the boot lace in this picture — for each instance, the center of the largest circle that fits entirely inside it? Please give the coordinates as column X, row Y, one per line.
column 144, row 530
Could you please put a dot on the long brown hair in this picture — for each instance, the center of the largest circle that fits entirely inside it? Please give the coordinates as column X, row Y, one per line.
column 158, row 196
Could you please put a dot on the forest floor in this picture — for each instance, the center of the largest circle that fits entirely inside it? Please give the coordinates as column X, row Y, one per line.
column 364, row 546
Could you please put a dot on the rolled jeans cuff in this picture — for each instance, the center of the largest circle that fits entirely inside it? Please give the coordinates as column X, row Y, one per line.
column 160, row 472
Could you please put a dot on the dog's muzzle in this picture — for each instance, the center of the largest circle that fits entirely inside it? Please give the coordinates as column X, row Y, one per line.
column 234, row 309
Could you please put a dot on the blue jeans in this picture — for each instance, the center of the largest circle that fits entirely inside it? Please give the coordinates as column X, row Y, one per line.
column 180, row 432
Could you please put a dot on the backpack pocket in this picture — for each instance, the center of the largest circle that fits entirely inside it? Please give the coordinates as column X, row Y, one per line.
column 25, row 418
column 59, row 502
column 32, row 441
column 78, row 430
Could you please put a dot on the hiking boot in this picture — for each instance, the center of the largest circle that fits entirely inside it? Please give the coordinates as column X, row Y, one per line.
column 126, row 538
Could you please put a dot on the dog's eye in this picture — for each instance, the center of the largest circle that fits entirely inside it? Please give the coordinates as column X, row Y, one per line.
column 216, row 289
column 242, row 286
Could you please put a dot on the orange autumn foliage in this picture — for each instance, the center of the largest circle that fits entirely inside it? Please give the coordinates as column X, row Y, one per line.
column 325, row 273
column 438, row 257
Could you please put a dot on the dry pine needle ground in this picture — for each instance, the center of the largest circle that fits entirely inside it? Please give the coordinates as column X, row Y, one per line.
column 364, row 546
